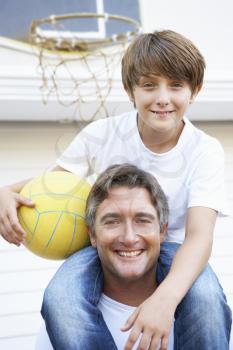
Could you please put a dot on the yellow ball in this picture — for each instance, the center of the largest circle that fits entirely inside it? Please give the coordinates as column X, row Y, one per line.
column 55, row 227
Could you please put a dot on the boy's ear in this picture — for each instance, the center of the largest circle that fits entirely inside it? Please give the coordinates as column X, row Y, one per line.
column 92, row 238
column 163, row 233
column 130, row 95
column 195, row 93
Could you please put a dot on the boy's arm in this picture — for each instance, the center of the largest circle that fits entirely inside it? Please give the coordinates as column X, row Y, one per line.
column 194, row 253
column 10, row 201
column 187, row 264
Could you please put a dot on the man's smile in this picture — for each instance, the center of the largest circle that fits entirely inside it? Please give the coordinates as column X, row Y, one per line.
column 127, row 253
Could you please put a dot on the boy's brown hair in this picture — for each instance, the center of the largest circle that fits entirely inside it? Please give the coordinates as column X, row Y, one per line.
column 165, row 53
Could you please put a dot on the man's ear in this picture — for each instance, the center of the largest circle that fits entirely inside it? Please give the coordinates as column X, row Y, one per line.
column 195, row 93
column 163, row 233
column 92, row 238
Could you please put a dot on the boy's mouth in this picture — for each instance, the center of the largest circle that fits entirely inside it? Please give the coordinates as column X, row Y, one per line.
column 162, row 113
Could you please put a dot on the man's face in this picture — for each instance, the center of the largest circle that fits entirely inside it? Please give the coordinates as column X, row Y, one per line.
column 127, row 235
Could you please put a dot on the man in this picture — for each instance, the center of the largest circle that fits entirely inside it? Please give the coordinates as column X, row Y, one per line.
column 127, row 214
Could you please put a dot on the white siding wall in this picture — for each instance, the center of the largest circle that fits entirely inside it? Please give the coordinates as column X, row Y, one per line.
column 208, row 23
column 222, row 255
column 26, row 150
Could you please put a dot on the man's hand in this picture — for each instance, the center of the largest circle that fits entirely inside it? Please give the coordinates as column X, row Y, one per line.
column 10, row 228
column 153, row 319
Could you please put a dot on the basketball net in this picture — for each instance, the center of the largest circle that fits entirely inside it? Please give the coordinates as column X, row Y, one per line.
column 78, row 70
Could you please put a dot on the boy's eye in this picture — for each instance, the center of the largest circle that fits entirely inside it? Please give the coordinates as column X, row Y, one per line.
column 148, row 85
column 177, row 84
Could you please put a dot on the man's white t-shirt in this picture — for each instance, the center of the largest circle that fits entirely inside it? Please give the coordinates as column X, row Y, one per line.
column 115, row 315
column 191, row 174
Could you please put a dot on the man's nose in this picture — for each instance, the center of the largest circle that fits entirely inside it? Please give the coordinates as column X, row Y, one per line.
column 129, row 235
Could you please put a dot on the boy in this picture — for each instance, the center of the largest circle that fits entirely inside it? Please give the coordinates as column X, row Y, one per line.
column 162, row 73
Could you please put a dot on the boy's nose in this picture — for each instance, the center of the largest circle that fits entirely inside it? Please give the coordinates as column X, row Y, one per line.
column 162, row 97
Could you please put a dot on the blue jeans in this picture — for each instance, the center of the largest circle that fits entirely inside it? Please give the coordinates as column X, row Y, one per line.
column 202, row 319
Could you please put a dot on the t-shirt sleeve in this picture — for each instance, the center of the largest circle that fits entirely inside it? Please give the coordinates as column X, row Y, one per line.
column 75, row 158
column 207, row 187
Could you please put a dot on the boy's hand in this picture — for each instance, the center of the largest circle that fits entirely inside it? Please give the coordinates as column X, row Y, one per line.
column 10, row 228
column 152, row 320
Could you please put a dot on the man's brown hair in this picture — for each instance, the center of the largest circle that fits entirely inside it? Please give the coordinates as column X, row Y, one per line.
column 130, row 176
column 164, row 53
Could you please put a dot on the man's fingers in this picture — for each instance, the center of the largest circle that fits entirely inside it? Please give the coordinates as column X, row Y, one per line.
column 129, row 323
column 133, row 337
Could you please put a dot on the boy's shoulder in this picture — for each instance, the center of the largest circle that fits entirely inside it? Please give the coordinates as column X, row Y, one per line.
column 111, row 122
column 200, row 139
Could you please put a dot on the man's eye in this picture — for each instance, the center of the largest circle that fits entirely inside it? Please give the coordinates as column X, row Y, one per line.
column 143, row 221
column 111, row 222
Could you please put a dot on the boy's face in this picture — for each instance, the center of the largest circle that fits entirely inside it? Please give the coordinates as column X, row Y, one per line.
column 161, row 102
column 127, row 235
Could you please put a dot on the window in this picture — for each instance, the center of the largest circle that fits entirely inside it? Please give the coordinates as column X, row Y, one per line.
column 16, row 16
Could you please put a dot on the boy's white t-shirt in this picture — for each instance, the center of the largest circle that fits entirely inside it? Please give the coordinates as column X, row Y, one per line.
column 115, row 315
column 191, row 174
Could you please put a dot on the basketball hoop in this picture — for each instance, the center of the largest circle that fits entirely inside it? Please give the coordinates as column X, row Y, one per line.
column 77, row 68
